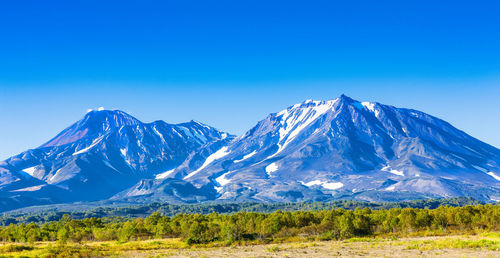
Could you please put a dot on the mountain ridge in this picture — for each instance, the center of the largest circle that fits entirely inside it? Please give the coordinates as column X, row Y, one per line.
column 310, row 151
column 105, row 150
column 351, row 123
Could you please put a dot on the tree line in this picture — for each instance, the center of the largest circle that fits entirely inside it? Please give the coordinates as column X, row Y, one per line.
column 254, row 226
column 144, row 210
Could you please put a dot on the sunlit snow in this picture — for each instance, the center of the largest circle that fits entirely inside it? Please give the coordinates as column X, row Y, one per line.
column 494, row 175
column 332, row 186
column 294, row 120
column 245, row 157
column 390, row 188
column 271, row 168
column 324, row 184
column 217, row 155
column 164, row 174
column 222, row 180
column 30, row 170
column 175, row 131
column 480, row 168
column 94, row 143
column 393, row 171
column 30, row 189
column 202, row 124
column 54, row 176
column 138, row 192
column 158, row 133
column 371, row 106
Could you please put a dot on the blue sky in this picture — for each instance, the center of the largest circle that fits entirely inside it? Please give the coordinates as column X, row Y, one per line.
column 230, row 63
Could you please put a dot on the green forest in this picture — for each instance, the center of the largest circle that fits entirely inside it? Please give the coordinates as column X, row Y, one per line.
column 144, row 210
column 243, row 226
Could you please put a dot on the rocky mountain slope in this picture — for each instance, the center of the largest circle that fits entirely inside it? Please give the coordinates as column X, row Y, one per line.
column 315, row 150
column 343, row 148
column 99, row 156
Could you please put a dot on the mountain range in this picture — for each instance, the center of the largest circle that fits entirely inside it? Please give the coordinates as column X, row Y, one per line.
column 311, row 151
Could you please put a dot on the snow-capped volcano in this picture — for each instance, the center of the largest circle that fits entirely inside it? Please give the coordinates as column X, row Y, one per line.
column 102, row 154
column 338, row 148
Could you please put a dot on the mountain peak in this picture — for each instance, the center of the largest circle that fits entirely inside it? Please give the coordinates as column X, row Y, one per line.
column 310, row 102
column 101, row 112
column 106, row 120
column 347, row 99
column 94, row 123
column 98, row 109
column 197, row 122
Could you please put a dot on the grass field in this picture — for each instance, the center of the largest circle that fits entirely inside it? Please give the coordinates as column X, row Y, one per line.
column 482, row 245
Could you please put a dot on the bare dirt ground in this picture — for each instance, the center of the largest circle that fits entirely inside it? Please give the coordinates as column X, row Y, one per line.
column 405, row 247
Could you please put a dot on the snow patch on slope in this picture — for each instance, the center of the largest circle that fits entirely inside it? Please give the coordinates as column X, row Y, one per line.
column 271, row 168
column 215, row 156
column 164, row 174
column 202, row 124
column 370, row 106
column 138, row 192
column 246, row 157
column 295, row 119
column 487, row 172
column 30, row 189
column 109, row 165
column 186, row 131
column 222, row 180
column 494, row 175
column 94, row 143
column 55, row 176
column 390, row 188
column 30, row 171
column 324, row 184
column 393, row 171
column 197, row 135
column 159, row 134
column 480, row 168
